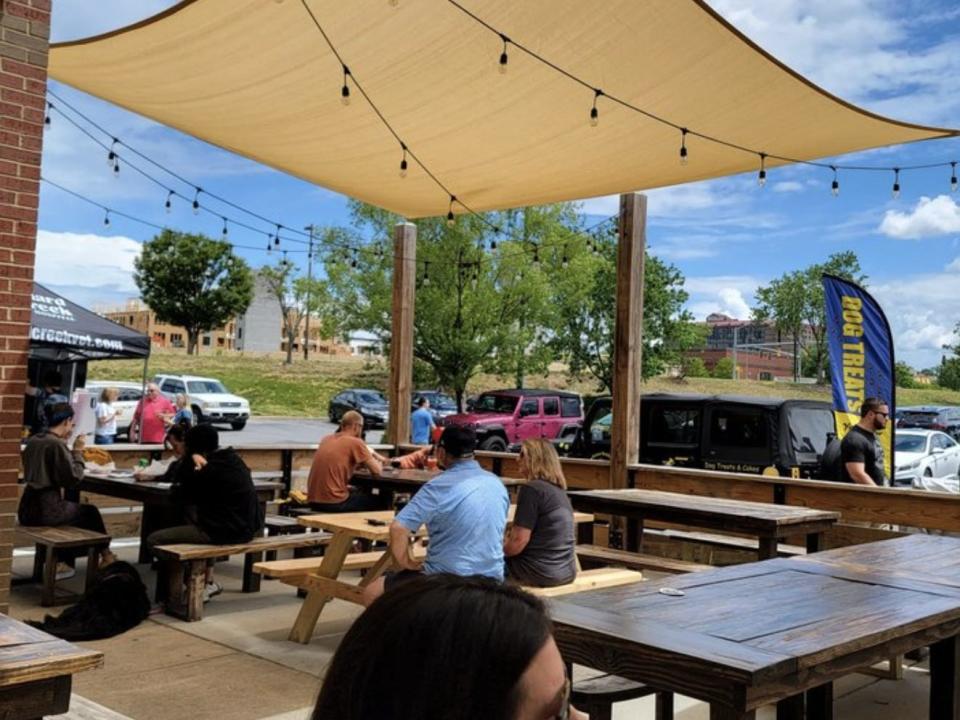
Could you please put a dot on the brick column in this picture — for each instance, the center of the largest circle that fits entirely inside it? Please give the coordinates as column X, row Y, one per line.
column 24, row 33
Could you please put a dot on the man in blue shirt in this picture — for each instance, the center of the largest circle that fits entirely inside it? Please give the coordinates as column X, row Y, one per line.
column 465, row 511
column 421, row 423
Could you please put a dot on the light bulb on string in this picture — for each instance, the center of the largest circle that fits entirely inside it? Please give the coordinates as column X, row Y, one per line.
column 565, row 262
column 354, row 263
column 116, row 167
column 345, row 90
column 276, row 238
column 426, row 273
column 536, row 257
column 112, row 153
column 475, row 278
column 493, row 243
column 168, row 205
column 762, row 175
column 835, row 185
column 594, row 112
column 403, row 162
column 106, row 218
column 196, row 201
column 953, row 177
column 451, row 218
column 225, row 231
column 502, row 67
column 269, row 246
column 46, row 118
column 683, row 146
column 896, row 183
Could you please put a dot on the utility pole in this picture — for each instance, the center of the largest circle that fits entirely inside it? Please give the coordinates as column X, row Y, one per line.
column 306, row 322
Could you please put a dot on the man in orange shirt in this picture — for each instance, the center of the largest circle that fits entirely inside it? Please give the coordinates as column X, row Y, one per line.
column 337, row 458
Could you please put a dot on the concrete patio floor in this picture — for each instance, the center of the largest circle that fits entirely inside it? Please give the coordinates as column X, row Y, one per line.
column 238, row 663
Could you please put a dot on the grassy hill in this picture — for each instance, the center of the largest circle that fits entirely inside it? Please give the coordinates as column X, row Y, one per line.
column 303, row 389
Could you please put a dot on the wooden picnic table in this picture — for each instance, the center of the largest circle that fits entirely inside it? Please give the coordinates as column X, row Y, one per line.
column 159, row 509
column 36, row 670
column 768, row 522
column 767, row 632
column 345, row 528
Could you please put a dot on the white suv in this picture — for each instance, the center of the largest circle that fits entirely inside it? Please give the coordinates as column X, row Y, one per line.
column 210, row 400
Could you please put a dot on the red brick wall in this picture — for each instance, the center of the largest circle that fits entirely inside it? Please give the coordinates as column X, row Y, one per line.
column 754, row 365
column 24, row 33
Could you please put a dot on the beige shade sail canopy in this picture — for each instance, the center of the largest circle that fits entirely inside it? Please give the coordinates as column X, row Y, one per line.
column 257, row 78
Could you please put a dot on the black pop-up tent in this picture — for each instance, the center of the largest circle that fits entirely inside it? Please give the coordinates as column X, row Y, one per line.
column 62, row 331
column 64, row 335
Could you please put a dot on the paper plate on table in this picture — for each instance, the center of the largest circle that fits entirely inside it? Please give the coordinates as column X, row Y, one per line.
column 121, row 474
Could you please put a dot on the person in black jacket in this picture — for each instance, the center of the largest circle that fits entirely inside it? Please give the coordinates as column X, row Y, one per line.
column 216, row 490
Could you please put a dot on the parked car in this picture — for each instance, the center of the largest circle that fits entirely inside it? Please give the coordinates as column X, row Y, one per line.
column 923, row 455
column 507, row 417
column 369, row 403
column 130, row 394
column 732, row 433
column 210, row 401
column 441, row 405
column 945, row 419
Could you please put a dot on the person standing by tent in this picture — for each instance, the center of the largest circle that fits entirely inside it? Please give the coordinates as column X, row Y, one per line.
column 106, row 431
column 148, row 425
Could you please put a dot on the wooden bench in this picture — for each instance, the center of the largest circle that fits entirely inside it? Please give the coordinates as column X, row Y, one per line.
column 714, row 548
column 589, row 580
column 293, row 572
column 595, row 696
column 183, row 567
column 48, row 540
column 596, row 555
column 281, row 525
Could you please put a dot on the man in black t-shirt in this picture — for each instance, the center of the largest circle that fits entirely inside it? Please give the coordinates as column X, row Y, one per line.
column 862, row 459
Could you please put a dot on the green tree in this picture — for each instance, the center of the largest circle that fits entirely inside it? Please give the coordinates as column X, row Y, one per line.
column 585, row 304
column 795, row 302
column 694, row 367
column 948, row 374
column 904, row 375
column 723, row 368
column 474, row 309
column 298, row 296
column 193, row 281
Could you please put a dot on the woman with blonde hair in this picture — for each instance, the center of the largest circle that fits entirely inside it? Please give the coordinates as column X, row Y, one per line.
column 106, row 430
column 540, row 547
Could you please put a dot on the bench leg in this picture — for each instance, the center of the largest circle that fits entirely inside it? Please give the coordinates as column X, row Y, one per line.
column 664, row 706
column 48, row 593
column 93, row 564
column 820, row 702
column 196, row 581
column 315, row 601
column 171, row 577
column 251, row 580
column 38, row 555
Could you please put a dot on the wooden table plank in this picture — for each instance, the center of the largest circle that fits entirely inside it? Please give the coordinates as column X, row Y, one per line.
column 28, row 655
column 818, row 618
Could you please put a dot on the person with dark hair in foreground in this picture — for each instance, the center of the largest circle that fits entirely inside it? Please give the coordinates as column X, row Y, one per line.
column 215, row 487
column 444, row 647
column 465, row 511
column 50, row 466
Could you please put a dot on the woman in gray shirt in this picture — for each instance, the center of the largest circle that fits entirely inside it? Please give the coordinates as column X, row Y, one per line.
column 540, row 547
column 50, row 466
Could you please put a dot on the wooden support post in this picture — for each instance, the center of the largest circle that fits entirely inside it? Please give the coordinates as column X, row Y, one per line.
column 401, row 340
column 628, row 344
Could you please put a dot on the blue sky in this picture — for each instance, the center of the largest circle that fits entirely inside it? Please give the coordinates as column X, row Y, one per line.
column 727, row 236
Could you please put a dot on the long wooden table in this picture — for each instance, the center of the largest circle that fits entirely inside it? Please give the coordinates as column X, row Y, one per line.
column 159, row 509
column 345, row 528
column 36, row 670
column 767, row 522
column 750, row 635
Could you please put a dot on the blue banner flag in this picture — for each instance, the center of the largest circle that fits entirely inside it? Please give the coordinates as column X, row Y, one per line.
column 861, row 357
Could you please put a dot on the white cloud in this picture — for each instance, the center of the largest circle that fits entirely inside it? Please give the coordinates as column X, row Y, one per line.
column 893, row 75
column 939, row 216
column 953, row 266
column 788, row 186
column 725, row 294
column 88, row 261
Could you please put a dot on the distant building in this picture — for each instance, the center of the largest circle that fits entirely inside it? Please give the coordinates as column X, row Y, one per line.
column 365, row 343
column 724, row 328
column 259, row 329
column 137, row 316
column 751, row 364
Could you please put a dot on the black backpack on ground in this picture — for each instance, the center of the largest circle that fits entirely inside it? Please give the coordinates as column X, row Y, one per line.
column 116, row 602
